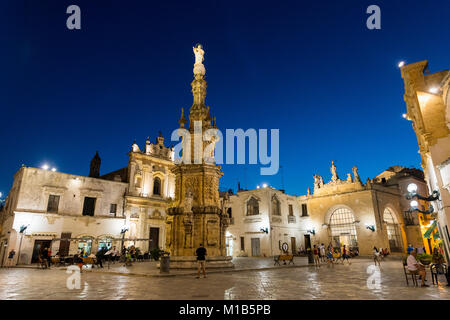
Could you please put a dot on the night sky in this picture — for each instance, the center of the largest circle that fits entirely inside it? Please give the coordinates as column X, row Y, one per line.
column 309, row 68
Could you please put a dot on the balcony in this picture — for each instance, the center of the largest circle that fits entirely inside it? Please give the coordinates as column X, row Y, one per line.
column 291, row 219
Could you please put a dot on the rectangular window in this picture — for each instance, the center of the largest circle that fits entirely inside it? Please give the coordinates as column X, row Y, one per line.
column 291, row 210
column 89, row 206
column 242, row 244
column 113, row 209
column 304, row 210
column 53, row 203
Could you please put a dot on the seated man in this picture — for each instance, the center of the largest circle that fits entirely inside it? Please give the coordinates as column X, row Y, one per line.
column 415, row 267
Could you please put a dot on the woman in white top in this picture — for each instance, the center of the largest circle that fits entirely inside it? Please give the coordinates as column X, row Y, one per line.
column 376, row 256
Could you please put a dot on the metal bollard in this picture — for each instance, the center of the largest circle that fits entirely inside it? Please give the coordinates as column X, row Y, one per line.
column 164, row 264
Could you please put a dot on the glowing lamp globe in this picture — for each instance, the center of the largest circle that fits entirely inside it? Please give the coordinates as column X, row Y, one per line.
column 412, row 188
column 434, row 90
column 414, row 204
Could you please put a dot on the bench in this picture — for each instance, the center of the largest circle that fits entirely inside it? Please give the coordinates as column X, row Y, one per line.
column 284, row 257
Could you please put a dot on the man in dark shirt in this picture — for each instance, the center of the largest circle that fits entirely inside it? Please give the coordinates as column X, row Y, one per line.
column 201, row 259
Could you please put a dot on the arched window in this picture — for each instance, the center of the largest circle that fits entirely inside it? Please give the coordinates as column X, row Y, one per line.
column 252, row 207
column 393, row 231
column 157, row 186
column 343, row 230
column 276, row 210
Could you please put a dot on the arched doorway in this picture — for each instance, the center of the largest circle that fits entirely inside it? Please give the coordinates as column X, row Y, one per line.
column 393, row 231
column 342, row 227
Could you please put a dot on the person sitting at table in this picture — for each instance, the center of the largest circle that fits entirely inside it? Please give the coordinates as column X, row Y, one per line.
column 416, row 268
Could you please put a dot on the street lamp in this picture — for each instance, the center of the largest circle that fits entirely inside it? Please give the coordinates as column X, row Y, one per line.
column 412, row 193
column 266, row 230
column 21, row 231
column 370, row 227
column 414, row 207
column 312, row 231
column 122, row 232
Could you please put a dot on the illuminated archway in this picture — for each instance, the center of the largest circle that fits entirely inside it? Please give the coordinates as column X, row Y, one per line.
column 393, row 231
column 342, row 228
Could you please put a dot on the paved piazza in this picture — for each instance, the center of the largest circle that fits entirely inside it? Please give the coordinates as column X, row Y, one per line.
column 302, row 282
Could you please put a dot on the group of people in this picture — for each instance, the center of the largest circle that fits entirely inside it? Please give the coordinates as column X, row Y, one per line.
column 331, row 255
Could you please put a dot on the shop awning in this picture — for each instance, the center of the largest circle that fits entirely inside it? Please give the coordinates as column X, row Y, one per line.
column 428, row 233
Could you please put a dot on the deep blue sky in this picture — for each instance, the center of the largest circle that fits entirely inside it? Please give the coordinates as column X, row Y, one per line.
column 310, row 68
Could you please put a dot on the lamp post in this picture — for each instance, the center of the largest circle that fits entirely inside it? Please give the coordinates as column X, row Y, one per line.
column 122, row 232
column 21, row 231
column 412, row 194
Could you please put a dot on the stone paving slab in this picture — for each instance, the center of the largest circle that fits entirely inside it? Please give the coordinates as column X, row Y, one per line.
column 308, row 282
column 150, row 269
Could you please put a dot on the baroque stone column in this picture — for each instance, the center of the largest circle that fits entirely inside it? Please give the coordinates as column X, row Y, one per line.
column 195, row 216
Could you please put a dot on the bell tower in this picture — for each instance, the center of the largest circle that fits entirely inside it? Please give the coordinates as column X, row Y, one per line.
column 195, row 216
column 94, row 170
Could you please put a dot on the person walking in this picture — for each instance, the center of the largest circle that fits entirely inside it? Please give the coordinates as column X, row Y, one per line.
column 201, row 260
column 11, row 255
column 100, row 256
column 330, row 260
column 376, row 256
column 345, row 255
column 316, row 256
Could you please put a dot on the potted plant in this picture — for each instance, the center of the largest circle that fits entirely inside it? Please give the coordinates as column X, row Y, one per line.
column 424, row 258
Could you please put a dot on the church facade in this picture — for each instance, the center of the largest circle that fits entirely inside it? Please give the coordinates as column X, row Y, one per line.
column 341, row 212
column 65, row 212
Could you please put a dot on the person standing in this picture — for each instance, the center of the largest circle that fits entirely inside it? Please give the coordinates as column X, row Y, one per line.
column 410, row 248
column 322, row 252
column 316, row 256
column 11, row 255
column 201, row 260
column 49, row 257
